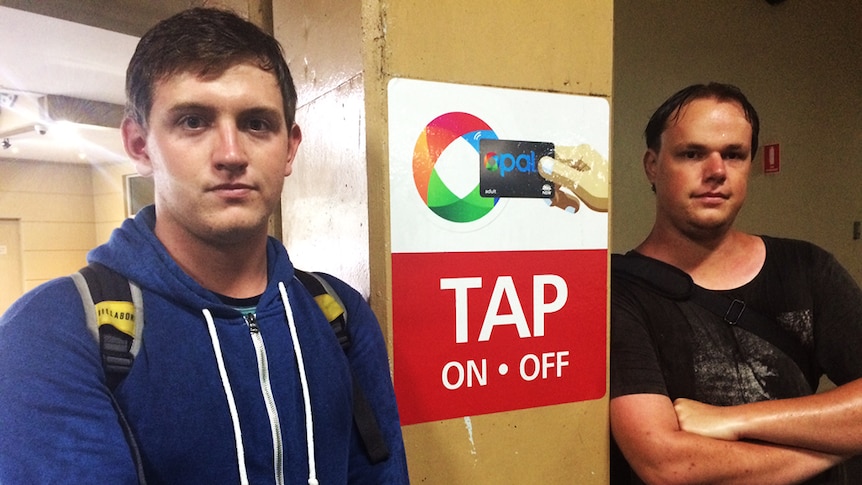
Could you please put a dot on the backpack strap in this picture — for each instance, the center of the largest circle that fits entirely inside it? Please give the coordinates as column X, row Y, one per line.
column 115, row 314
column 673, row 283
column 114, row 310
column 335, row 312
column 329, row 302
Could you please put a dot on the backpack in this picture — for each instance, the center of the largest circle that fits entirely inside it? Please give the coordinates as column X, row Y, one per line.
column 115, row 313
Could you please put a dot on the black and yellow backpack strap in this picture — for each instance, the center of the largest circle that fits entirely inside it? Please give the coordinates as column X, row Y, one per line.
column 363, row 415
column 114, row 309
column 115, row 316
column 329, row 302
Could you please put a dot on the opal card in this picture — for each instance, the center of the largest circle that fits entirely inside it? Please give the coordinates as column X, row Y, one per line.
column 509, row 168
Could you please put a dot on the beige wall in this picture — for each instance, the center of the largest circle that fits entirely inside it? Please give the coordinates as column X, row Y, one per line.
column 799, row 64
column 55, row 207
column 64, row 211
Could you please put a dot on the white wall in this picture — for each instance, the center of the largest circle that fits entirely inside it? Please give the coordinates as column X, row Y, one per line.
column 325, row 199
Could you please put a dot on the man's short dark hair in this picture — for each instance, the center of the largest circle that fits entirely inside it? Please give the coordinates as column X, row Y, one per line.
column 205, row 41
column 669, row 110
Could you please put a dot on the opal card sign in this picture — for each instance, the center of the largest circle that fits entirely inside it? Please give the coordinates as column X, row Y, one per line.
column 498, row 246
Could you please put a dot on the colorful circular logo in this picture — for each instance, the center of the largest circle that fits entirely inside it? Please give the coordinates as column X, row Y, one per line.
column 434, row 139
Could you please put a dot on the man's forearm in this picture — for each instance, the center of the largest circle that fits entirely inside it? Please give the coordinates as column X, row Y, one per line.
column 829, row 422
column 722, row 462
column 647, row 432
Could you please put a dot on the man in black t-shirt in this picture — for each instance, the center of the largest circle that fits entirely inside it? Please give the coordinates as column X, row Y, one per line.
column 693, row 399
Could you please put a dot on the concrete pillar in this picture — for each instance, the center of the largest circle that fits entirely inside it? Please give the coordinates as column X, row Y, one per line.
column 342, row 54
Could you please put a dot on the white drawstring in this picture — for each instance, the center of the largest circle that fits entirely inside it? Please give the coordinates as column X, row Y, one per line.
column 306, row 396
column 237, row 431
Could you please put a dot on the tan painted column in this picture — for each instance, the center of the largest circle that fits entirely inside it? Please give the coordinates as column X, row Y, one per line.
column 342, row 54
column 557, row 45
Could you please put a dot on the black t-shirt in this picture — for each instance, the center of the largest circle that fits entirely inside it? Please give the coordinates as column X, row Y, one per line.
column 679, row 349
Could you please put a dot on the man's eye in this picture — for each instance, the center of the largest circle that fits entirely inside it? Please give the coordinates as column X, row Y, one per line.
column 691, row 154
column 258, row 125
column 192, row 122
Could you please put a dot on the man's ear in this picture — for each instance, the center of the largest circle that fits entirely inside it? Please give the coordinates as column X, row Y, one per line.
column 650, row 162
column 135, row 143
column 294, row 138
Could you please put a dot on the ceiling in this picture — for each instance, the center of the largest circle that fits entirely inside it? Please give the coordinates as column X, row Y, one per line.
column 47, row 55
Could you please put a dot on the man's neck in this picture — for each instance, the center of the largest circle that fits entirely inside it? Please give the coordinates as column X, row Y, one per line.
column 237, row 270
column 727, row 260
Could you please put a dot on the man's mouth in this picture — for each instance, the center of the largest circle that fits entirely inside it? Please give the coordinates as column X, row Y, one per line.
column 234, row 190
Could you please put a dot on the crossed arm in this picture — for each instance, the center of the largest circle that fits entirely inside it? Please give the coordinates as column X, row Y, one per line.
column 648, row 432
column 830, row 422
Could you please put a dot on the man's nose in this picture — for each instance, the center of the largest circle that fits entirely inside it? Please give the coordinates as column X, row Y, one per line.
column 229, row 151
column 715, row 166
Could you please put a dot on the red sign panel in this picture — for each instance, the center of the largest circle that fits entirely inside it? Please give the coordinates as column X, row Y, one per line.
column 771, row 159
column 484, row 332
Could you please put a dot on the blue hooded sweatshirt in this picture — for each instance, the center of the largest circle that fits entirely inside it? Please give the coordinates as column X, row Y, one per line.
column 210, row 399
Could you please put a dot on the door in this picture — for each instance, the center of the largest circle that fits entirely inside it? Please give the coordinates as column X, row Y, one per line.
column 11, row 277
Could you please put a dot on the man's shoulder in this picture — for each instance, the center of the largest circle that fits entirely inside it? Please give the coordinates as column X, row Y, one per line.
column 635, row 271
column 801, row 254
column 45, row 330
column 337, row 283
column 53, row 297
column 357, row 310
column 790, row 244
column 346, row 291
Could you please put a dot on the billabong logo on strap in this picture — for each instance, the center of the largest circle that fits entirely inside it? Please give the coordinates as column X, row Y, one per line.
column 119, row 314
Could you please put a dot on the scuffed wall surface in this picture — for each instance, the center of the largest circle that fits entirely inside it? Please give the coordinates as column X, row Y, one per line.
column 325, row 201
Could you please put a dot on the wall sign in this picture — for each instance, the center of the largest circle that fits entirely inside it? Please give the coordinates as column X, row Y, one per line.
column 771, row 158
column 499, row 227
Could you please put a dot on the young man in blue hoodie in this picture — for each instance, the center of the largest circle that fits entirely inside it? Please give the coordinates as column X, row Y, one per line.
column 239, row 378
